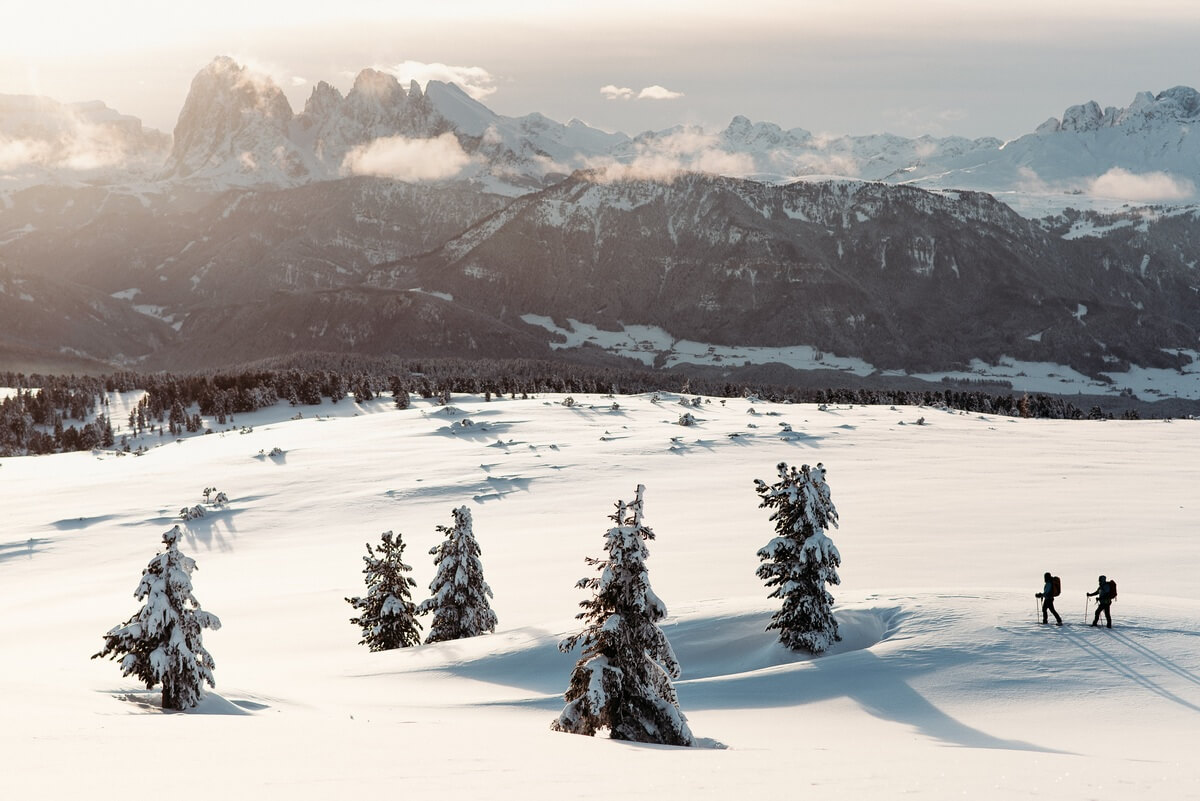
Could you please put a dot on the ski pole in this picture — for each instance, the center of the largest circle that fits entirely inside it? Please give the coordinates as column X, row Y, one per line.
column 1086, row 603
column 1035, row 608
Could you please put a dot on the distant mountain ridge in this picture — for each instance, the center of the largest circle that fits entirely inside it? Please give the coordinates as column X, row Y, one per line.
column 413, row 220
column 237, row 129
column 42, row 140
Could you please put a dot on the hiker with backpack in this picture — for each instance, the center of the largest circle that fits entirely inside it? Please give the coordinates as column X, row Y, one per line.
column 1104, row 594
column 1052, row 588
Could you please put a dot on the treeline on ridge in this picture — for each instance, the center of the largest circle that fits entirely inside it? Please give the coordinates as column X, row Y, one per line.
column 33, row 418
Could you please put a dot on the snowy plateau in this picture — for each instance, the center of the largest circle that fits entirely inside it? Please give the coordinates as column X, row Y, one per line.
column 943, row 686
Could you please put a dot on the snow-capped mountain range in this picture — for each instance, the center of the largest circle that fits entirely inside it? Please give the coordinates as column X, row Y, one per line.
column 236, row 128
column 43, row 141
column 415, row 220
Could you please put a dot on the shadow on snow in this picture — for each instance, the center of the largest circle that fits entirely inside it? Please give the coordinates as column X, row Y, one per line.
column 23, row 548
column 731, row 662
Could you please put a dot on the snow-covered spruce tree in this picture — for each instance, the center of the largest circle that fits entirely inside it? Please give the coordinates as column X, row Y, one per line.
column 387, row 613
column 460, row 595
column 163, row 643
column 801, row 559
column 622, row 681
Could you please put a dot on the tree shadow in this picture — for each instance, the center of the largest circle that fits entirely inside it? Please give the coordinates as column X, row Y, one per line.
column 880, row 686
column 76, row 523
column 502, row 486
column 800, row 438
column 149, row 702
column 23, row 548
column 489, row 488
column 752, row 671
column 466, row 429
column 209, row 531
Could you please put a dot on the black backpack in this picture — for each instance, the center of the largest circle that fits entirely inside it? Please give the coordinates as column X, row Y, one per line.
column 1055, row 586
column 1112, row 589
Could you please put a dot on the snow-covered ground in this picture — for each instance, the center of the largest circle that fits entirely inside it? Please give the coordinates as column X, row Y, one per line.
column 943, row 687
column 650, row 343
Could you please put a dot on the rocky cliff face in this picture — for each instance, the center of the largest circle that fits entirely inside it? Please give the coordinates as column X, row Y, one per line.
column 237, row 129
column 235, row 125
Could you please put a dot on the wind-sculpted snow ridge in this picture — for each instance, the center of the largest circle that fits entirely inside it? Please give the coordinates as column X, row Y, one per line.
column 719, row 645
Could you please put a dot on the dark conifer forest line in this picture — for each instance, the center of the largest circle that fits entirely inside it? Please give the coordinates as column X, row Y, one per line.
column 55, row 413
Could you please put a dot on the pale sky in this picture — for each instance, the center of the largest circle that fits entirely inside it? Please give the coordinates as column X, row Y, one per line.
column 967, row 67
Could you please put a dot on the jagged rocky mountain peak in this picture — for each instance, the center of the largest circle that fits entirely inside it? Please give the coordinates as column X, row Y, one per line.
column 224, row 90
column 236, row 128
column 223, row 80
column 374, row 83
column 1183, row 99
column 323, row 100
column 1179, row 104
column 235, row 124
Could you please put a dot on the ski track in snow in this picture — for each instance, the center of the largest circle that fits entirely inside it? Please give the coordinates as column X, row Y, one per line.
column 942, row 686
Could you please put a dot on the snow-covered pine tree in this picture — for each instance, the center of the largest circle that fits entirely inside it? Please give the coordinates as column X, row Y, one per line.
column 622, row 681
column 460, row 595
column 163, row 642
column 387, row 613
column 801, row 559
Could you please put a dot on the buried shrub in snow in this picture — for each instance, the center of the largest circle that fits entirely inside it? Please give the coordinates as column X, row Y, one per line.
column 163, row 642
column 212, row 496
column 801, row 559
column 622, row 681
column 460, row 595
column 193, row 513
column 387, row 613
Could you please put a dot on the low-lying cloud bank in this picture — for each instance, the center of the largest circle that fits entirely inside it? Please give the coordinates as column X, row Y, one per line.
column 1116, row 184
column 404, row 159
column 1149, row 186
column 664, row 158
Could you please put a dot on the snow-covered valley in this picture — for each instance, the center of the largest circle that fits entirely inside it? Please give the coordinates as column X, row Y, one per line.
column 943, row 686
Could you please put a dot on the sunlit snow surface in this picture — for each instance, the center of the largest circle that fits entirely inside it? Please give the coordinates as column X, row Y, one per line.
column 943, row 686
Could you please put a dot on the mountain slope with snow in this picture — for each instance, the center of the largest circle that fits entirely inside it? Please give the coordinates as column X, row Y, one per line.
column 236, row 129
column 266, row 220
column 943, row 685
column 898, row 277
column 43, row 141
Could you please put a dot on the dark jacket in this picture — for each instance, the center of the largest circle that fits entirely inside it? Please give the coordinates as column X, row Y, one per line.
column 1103, row 594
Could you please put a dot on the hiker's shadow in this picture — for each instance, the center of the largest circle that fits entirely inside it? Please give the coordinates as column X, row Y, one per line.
column 1125, row 667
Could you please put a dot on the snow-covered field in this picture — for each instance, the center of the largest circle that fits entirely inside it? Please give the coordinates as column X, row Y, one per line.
column 649, row 343
column 944, row 686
